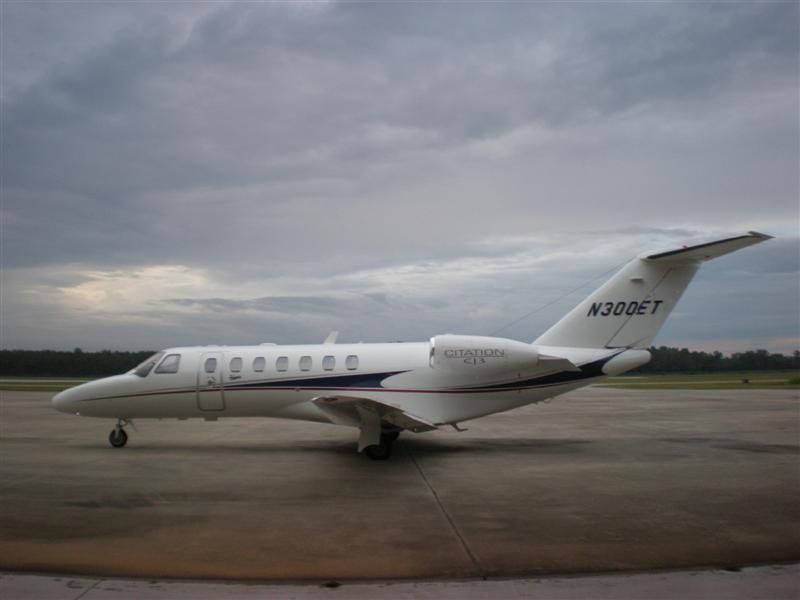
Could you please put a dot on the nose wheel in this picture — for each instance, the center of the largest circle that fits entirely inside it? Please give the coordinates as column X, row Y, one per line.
column 118, row 438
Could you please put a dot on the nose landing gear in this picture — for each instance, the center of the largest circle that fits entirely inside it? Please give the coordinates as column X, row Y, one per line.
column 118, row 438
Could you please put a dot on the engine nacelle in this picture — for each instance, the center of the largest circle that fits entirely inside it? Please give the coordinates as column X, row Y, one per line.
column 480, row 355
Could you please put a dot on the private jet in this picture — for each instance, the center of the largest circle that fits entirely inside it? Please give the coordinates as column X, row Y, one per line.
column 385, row 389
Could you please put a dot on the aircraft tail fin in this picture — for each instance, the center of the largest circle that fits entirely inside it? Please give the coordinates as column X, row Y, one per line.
column 630, row 308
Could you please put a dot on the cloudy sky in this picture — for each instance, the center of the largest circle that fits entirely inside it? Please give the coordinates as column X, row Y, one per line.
column 191, row 173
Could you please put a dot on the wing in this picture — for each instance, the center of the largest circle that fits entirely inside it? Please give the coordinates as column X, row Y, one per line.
column 369, row 415
column 347, row 410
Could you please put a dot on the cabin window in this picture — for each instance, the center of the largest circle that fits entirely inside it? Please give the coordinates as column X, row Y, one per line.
column 145, row 367
column 282, row 364
column 169, row 364
column 236, row 364
column 259, row 363
column 210, row 365
column 305, row 363
column 328, row 363
column 351, row 363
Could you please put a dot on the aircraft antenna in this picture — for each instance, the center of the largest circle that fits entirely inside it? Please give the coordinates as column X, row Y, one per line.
column 559, row 299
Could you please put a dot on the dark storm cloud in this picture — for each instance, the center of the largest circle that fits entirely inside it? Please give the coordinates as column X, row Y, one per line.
column 665, row 57
column 260, row 141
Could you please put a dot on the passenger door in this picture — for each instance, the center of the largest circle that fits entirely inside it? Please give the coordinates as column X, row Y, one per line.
column 210, row 394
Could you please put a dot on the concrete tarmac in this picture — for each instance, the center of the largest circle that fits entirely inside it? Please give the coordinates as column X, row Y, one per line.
column 598, row 480
column 776, row 582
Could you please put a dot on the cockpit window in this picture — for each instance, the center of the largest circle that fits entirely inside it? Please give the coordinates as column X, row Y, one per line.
column 144, row 368
column 169, row 364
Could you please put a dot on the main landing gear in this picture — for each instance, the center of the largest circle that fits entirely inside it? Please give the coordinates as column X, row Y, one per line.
column 118, row 438
column 383, row 450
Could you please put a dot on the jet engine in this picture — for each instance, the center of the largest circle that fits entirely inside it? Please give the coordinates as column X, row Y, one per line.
column 479, row 355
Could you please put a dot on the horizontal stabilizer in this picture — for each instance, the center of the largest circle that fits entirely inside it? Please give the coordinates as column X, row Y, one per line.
column 703, row 252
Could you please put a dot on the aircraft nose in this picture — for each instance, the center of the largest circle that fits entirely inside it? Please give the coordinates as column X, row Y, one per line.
column 66, row 401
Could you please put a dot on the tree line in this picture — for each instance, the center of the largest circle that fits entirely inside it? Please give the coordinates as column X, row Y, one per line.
column 683, row 360
column 52, row 363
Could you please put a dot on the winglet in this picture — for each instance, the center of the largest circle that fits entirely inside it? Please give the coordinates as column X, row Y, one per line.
column 331, row 339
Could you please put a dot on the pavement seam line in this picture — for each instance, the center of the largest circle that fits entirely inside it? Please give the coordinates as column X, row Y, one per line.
column 473, row 559
column 88, row 589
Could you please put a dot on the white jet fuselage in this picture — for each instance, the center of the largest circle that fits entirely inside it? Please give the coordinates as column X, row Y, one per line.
column 245, row 381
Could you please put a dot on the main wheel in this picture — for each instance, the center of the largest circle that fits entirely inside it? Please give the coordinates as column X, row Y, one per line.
column 380, row 451
column 118, row 438
column 390, row 436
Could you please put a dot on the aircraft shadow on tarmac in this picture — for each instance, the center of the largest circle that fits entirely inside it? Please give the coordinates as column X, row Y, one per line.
column 421, row 447
column 418, row 447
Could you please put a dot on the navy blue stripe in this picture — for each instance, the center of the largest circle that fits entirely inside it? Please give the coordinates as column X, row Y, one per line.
column 355, row 380
column 367, row 382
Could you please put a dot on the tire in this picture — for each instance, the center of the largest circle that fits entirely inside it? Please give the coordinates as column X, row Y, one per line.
column 390, row 436
column 117, row 438
column 379, row 451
